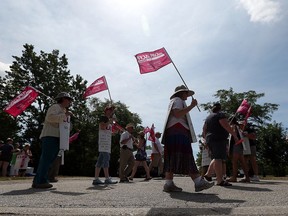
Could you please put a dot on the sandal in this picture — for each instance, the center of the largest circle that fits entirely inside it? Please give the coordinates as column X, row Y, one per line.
column 244, row 180
column 147, row 179
column 224, row 184
column 231, row 180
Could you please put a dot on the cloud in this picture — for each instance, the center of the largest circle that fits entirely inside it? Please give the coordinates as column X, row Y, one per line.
column 263, row 11
column 4, row 67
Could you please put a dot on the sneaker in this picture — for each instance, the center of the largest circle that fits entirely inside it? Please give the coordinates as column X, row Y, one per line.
column 255, row 178
column 42, row 186
column 97, row 182
column 171, row 188
column 203, row 185
column 53, row 180
column 110, row 181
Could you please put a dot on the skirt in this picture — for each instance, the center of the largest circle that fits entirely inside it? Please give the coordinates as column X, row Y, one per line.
column 178, row 154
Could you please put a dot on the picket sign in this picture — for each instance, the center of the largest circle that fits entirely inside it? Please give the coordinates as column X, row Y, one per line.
column 22, row 161
column 64, row 128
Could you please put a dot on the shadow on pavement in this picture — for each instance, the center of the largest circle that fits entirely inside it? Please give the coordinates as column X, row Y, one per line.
column 188, row 211
column 202, row 198
column 27, row 191
column 247, row 188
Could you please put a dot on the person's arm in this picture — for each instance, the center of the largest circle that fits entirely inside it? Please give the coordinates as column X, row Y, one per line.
column 225, row 124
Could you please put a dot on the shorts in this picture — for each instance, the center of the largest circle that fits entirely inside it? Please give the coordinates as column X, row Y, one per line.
column 103, row 160
column 238, row 149
column 218, row 149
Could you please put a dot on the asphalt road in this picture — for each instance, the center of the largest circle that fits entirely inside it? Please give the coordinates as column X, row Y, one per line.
column 77, row 196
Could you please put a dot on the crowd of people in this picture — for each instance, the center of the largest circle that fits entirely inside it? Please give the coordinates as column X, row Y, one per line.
column 174, row 148
column 14, row 158
column 239, row 148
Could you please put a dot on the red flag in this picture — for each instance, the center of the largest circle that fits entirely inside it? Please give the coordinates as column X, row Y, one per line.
column 146, row 130
column 74, row 137
column 97, row 86
column 152, row 61
column 22, row 101
column 152, row 134
column 243, row 108
column 116, row 127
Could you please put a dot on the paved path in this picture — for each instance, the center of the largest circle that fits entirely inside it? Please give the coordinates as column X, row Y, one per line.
column 77, row 196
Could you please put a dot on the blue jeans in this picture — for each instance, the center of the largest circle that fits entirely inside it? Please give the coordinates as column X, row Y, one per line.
column 50, row 149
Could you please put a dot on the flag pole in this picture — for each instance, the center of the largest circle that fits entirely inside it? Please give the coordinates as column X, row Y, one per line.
column 42, row 93
column 108, row 91
column 181, row 76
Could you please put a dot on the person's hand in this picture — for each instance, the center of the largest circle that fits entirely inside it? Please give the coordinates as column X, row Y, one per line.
column 194, row 103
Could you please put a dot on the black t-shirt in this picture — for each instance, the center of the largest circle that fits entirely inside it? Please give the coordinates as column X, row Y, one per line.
column 214, row 130
column 6, row 152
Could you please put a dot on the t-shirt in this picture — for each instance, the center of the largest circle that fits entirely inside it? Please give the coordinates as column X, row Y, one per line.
column 178, row 103
column 126, row 135
column 158, row 144
column 214, row 130
column 6, row 152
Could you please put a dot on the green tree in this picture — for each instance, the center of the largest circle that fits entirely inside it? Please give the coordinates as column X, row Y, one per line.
column 273, row 148
column 48, row 73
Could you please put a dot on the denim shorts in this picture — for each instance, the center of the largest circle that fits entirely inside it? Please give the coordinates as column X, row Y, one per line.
column 103, row 160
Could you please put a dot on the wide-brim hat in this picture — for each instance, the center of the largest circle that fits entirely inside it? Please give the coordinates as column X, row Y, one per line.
column 182, row 88
column 130, row 125
column 63, row 95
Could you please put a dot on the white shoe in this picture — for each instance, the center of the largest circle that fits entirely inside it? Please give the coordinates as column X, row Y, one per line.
column 255, row 178
column 203, row 185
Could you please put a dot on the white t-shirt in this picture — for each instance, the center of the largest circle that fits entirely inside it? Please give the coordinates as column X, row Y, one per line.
column 160, row 148
column 178, row 103
column 126, row 135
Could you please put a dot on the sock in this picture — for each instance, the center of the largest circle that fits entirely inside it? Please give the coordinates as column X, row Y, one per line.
column 197, row 180
column 169, row 182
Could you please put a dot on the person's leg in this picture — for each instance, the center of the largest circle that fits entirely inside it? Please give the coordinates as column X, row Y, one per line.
column 134, row 170
column 54, row 169
column 211, row 169
column 123, row 163
column 4, row 168
column 234, row 167
column 50, row 148
column 130, row 163
column 148, row 177
column 218, row 170
column 245, row 168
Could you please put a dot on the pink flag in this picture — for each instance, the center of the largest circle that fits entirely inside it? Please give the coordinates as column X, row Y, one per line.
column 22, row 101
column 152, row 61
column 116, row 127
column 146, row 130
column 243, row 108
column 152, row 134
column 97, row 86
column 74, row 137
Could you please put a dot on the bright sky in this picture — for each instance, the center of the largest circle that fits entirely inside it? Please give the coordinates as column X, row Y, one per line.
column 214, row 44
